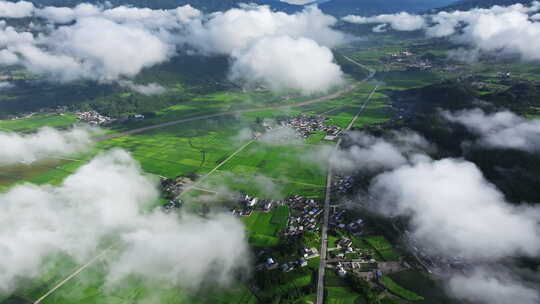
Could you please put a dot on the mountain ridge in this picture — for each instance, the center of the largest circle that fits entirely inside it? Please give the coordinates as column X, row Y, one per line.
column 469, row 4
column 333, row 7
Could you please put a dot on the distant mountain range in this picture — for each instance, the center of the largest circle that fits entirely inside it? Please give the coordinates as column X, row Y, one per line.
column 468, row 4
column 334, row 7
column 374, row 7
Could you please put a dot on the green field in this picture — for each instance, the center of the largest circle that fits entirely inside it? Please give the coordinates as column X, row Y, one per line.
column 263, row 227
column 422, row 285
column 194, row 149
column 396, row 289
column 38, row 121
column 341, row 295
column 278, row 162
column 383, row 247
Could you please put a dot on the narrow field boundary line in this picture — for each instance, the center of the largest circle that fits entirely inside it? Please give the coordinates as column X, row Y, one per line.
column 198, row 183
column 355, row 118
column 71, row 276
column 284, row 181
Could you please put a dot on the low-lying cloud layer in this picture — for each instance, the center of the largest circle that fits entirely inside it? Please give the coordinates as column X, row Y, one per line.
column 486, row 286
column 510, row 30
column 145, row 89
column 454, row 209
column 295, row 63
column 73, row 46
column 107, row 198
column 19, row 9
column 47, row 142
column 453, row 212
column 499, row 130
column 371, row 153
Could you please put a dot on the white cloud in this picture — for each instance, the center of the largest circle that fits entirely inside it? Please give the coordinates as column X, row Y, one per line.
column 366, row 152
column 281, row 136
column 501, row 29
column 68, row 14
column 235, row 29
column 91, row 42
column 10, row 37
column 400, row 22
column 19, row 9
column 109, row 197
column 143, row 37
column 140, row 38
column 8, row 57
column 486, row 286
column 5, row 85
column 455, row 211
column 47, row 142
column 299, row 64
column 187, row 13
column 145, row 89
column 500, row 130
column 298, row 2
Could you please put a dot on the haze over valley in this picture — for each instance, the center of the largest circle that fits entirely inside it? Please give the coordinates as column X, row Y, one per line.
column 277, row 151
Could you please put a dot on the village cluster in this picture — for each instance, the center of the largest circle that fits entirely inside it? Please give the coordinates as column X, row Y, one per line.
column 173, row 187
column 408, row 60
column 342, row 184
column 93, row 118
column 304, row 125
column 247, row 204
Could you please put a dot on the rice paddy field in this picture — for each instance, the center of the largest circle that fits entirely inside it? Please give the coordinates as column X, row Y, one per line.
column 383, row 247
column 263, row 227
column 92, row 286
column 341, row 295
column 37, row 121
column 196, row 148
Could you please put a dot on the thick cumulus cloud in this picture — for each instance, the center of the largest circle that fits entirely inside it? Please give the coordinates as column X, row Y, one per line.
column 484, row 285
column 19, row 9
column 102, row 45
column 45, row 143
column 295, row 64
column 235, row 29
column 399, row 22
column 106, row 198
column 137, row 38
column 453, row 212
column 499, row 130
column 299, row 44
column 97, row 48
column 454, row 209
column 509, row 30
